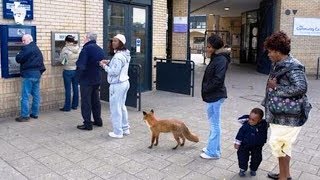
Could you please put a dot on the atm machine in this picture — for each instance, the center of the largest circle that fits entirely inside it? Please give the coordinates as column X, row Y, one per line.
column 10, row 45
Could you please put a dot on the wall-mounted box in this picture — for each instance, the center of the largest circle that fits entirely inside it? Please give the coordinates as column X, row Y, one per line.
column 57, row 43
column 10, row 45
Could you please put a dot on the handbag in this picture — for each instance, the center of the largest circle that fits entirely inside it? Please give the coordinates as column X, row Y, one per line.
column 285, row 105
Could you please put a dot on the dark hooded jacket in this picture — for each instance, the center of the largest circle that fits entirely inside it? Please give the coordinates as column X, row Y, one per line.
column 213, row 86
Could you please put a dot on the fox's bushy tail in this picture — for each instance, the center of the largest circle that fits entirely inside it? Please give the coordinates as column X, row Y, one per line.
column 190, row 136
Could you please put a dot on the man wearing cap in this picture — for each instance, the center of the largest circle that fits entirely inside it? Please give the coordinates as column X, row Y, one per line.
column 89, row 74
column 118, row 79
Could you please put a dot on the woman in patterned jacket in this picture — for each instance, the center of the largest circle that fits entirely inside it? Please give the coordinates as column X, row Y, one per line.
column 287, row 80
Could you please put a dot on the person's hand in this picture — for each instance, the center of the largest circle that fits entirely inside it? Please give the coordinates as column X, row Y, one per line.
column 236, row 146
column 103, row 62
column 272, row 83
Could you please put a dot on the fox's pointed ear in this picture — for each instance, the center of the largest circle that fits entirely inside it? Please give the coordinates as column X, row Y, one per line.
column 144, row 113
column 152, row 111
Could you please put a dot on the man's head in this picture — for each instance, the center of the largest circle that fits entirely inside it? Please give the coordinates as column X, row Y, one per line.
column 90, row 36
column 255, row 116
column 27, row 39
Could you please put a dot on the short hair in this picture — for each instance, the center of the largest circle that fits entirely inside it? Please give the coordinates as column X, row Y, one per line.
column 258, row 111
column 28, row 36
column 92, row 36
column 278, row 41
column 215, row 41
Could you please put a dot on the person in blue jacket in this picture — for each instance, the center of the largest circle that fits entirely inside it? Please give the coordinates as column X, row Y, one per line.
column 249, row 141
column 31, row 68
column 89, row 74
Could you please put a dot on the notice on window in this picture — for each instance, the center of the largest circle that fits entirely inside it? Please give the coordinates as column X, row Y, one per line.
column 180, row 24
column 306, row 27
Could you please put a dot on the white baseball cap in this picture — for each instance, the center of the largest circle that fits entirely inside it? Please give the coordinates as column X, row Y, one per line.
column 121, row 37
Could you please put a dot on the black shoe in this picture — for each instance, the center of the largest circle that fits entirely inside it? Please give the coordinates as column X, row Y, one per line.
column 242, row 173
column 253, row 173
column 74, row 108
column 22, row 119
column 97, row 124
column 63, row 109
column 33, row 116
column 83, row 127
column 272, row 175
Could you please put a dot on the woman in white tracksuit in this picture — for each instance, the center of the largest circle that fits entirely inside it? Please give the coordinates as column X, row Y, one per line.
column 118, row 79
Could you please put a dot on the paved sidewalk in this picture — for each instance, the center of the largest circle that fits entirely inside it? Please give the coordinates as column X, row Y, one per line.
column 52, row 148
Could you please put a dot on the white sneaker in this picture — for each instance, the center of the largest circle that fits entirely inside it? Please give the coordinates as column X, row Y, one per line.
column 112, row 134
column 126, row 132
column 205, row 156
column 204, row 149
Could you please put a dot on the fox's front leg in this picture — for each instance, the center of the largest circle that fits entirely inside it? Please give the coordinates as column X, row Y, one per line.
column 157, row 140
column 152, row 140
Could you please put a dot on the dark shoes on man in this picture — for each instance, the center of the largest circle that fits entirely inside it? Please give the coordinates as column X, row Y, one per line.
column 67, row 110
column 83, row 127
column 272, row 175
column 22, row 119
column 33, row 116
column 97, row 124
column 26, row 119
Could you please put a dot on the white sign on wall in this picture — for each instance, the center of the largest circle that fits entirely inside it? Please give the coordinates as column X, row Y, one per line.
column 306, row 27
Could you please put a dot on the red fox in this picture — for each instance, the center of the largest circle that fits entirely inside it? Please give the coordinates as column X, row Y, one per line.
column 178, row 129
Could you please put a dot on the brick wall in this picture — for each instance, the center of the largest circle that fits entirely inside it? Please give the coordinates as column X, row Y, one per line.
column 179, row 40
column 304, row 48
column 59, row 16
column 159, row 33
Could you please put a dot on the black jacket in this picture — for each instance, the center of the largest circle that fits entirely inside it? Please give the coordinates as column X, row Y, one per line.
column 253, row 135
column 213, row 87
column 88, row 69
column 30, row 59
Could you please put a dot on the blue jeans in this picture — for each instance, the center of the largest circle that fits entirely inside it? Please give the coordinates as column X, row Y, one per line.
column 69, row 79
column 119, row 114
column 214, row 116
column 30, row 86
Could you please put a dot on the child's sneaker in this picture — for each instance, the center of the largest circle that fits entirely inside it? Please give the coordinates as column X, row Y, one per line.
column 253, row 173
column 242, row 173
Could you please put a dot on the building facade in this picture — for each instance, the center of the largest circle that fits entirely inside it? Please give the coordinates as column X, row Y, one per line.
column 151, row 25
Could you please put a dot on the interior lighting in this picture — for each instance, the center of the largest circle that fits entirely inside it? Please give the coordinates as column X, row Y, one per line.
column 226, row 8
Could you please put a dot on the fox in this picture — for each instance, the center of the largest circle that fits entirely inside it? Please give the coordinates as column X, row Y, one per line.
column 177, row 127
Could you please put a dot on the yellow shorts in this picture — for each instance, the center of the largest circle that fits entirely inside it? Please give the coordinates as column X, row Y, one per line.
column 282, row 138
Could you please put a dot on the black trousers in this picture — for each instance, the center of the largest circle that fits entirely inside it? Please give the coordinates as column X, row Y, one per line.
column 245, row 151
column 90, row 102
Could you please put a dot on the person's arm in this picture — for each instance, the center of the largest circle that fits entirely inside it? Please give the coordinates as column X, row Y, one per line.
column 217, row 74
column 114, row 67
column 298, row 84
column 82, row 62
column 21, row 57
column 240, row 136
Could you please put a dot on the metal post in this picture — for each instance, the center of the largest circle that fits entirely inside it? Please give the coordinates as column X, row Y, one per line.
column 318, row 68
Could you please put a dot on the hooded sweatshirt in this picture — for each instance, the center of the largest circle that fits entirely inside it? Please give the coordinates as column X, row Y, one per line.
column 213, row 86
column 118, row 67
column 71, row 53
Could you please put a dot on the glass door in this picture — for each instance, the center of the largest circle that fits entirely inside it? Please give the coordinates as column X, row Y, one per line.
column 132, row 21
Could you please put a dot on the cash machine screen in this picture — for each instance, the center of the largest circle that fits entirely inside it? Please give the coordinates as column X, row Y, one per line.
column 13, row 49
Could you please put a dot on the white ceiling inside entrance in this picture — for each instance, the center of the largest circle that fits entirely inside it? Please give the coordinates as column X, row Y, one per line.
column 217, row 7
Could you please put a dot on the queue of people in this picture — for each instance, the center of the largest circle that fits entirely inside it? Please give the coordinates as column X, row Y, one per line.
column 286, row 104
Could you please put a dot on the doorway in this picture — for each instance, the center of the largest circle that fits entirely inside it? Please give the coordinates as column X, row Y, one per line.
column 133, row 21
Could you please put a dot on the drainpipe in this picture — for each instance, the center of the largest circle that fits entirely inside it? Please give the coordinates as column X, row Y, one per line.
column 188, row 33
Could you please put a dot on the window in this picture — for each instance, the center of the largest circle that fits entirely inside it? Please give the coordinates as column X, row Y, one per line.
column 198, row 40
column 198, row 22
